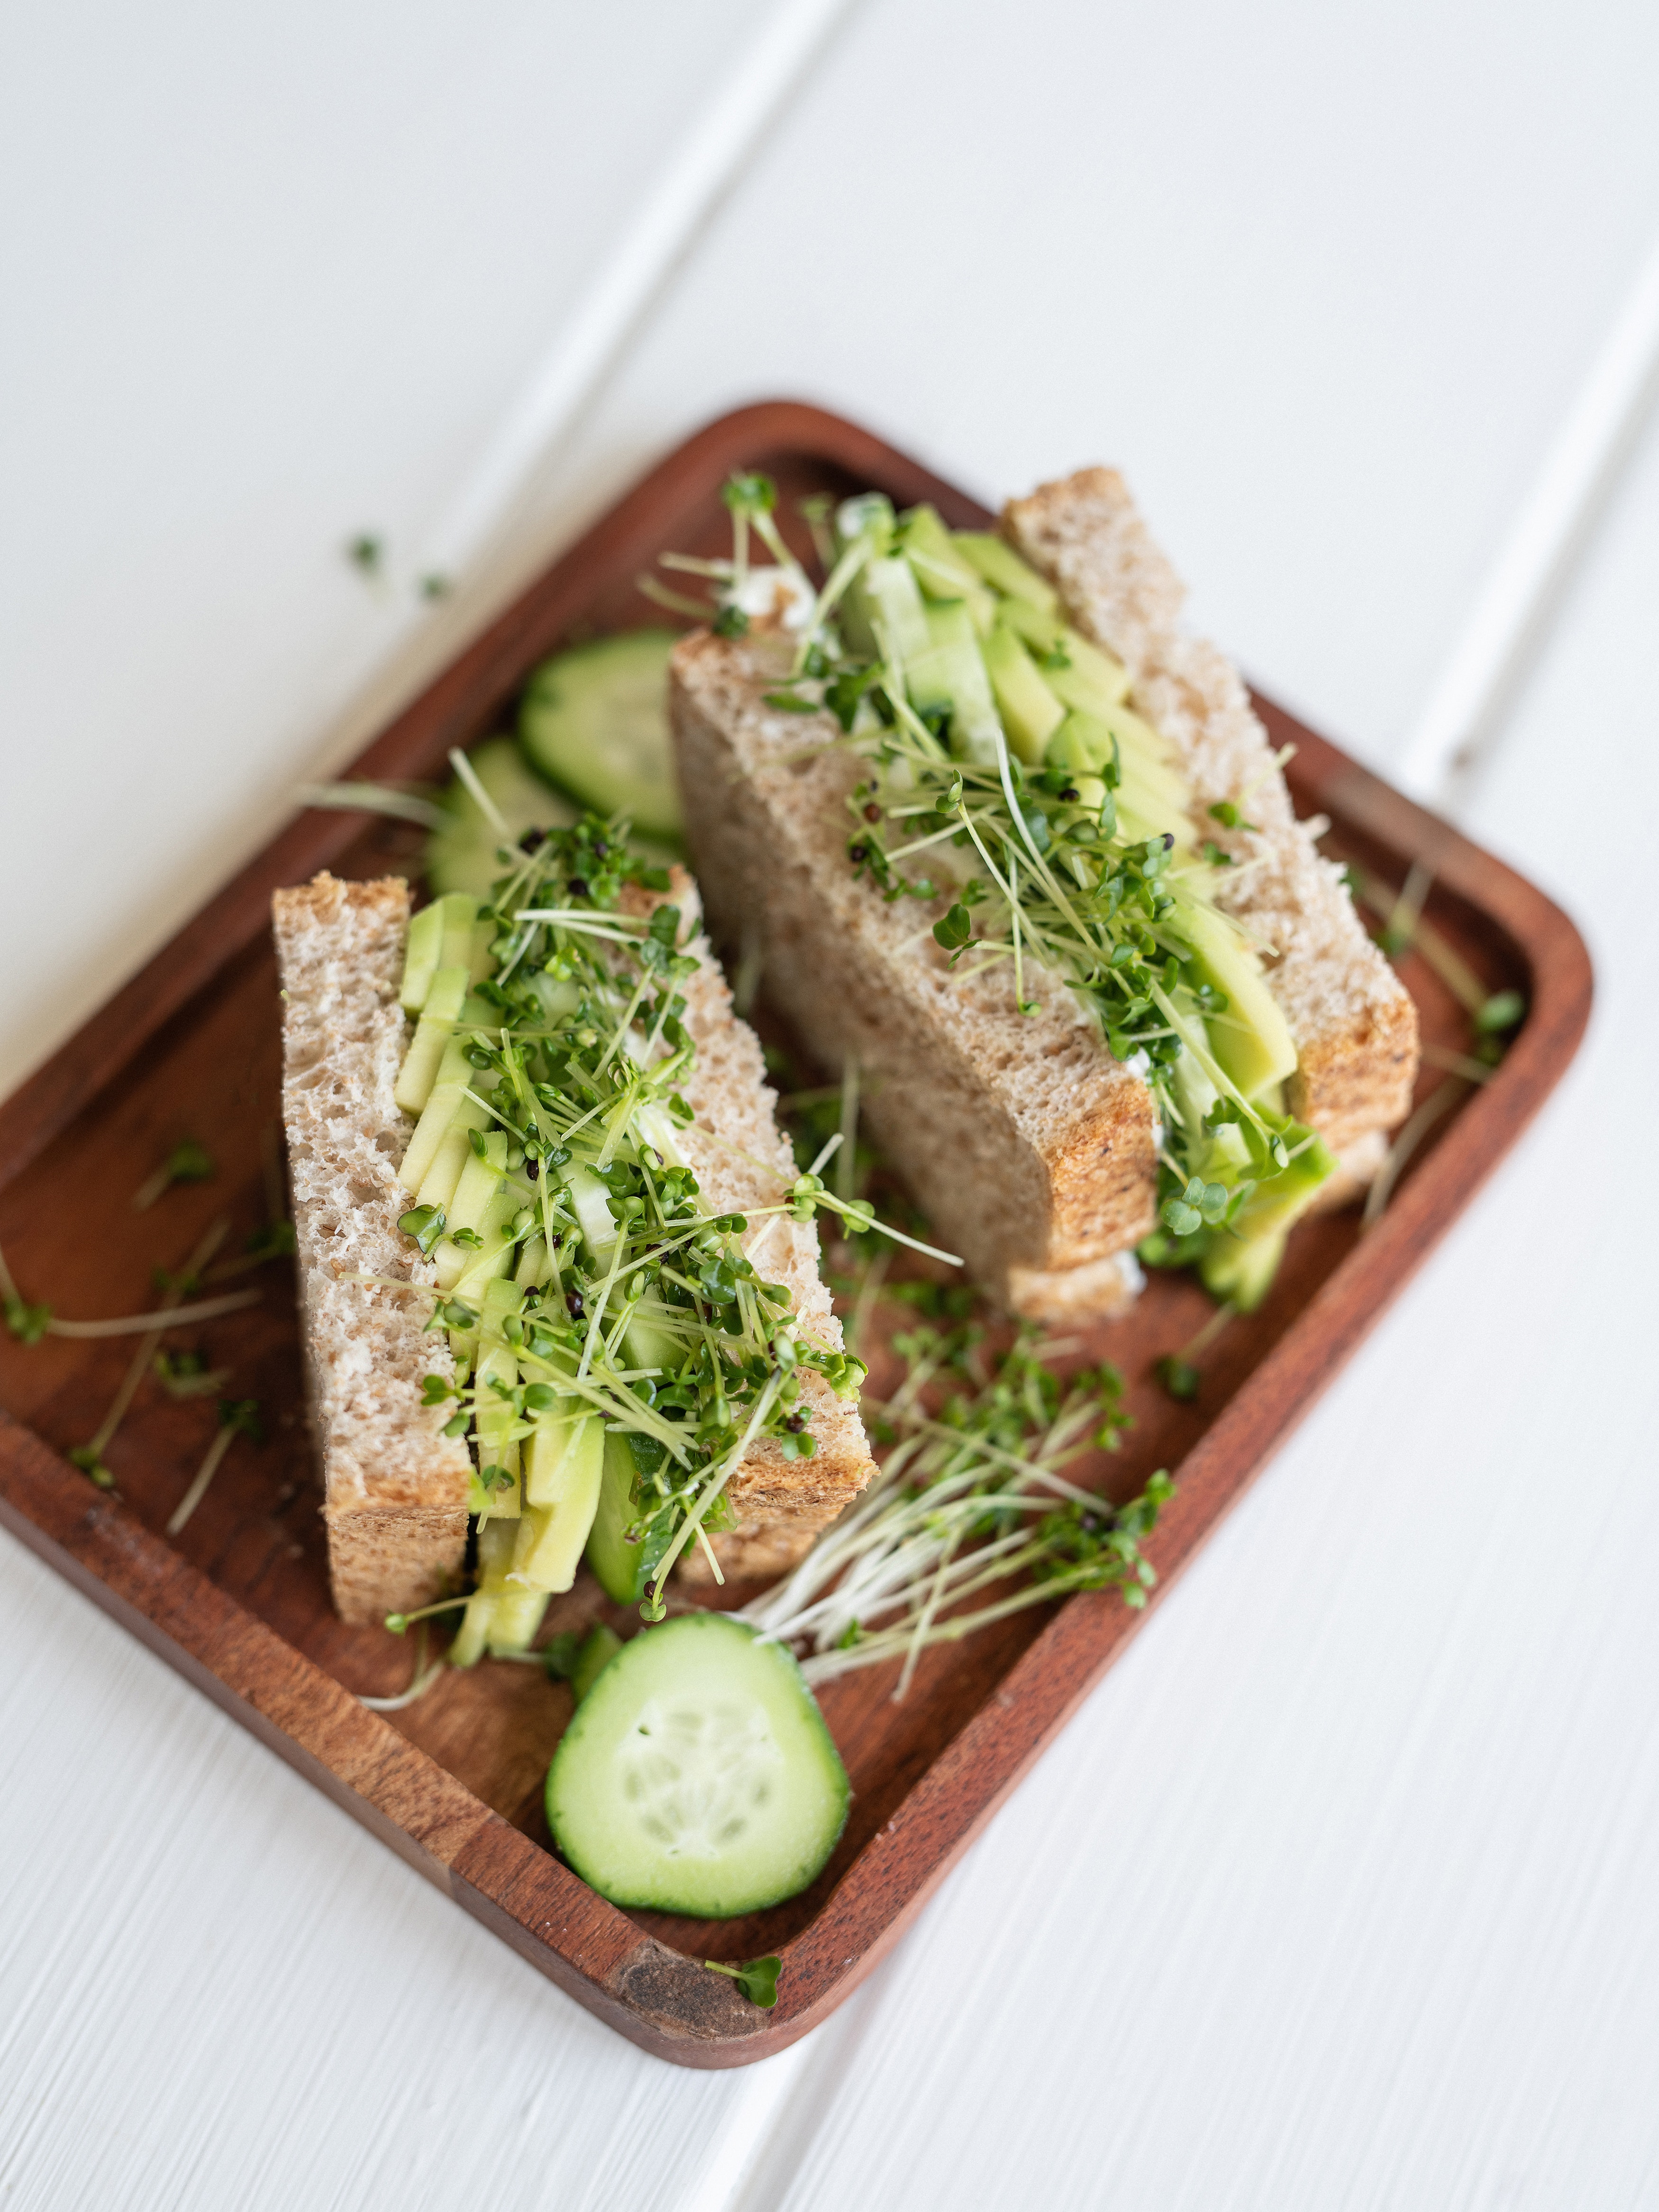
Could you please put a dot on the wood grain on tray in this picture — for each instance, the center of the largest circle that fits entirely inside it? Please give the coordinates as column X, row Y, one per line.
column 239, row 1603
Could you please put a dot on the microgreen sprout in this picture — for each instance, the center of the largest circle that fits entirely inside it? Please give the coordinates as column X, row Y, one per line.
column 1178, row 1371
column 559, row 1655
column 815, row 511
column 972, row 1499
column 30, row 1323
column 1493, row 1017
column 274, row 1241
column 757, row 1981
column 238, row 1417
column 90, row 1465
column 1439, row 1103
column 27, row 1323
column 425, row 1224
column 397, row 804
column 1179, row 1377
column 422, row 1679
column 89, row 1456
column 1502, row 1011
column 400, row 1623
column 141, row 1324
column 187, row 1375
column 188, row 1162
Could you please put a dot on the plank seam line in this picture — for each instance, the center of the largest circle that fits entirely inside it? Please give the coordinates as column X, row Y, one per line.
column 700, row 173
column 1549, row 530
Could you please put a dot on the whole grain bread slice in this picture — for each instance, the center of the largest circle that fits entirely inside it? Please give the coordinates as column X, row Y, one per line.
column 1032, row 1149
column 395, row 1488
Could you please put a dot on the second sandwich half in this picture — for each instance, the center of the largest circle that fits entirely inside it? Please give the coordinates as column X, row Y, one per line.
column 1014, row 842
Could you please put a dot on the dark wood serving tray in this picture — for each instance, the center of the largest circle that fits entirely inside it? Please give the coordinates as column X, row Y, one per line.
column 239, row 1604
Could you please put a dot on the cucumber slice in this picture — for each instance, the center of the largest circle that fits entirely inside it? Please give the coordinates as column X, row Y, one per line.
column 462, row 856
column 621, row 1569
column 564, row 1463
column 1241, row 1262
column 470, row 1280
column 595, row 720
column 1031, row 713
column 501, row 1616
column 1087, row 678
column 1240, row 1273
column 444, row 998
column 591, row 1202
column 478, row 1181
column 1002, row 568
column 1252, row 1039
column 888, row 599
column 443, row 1103
column 421, row 957
column 451, row 1153
column 458, row 913
column 697, row 1776
column 1148, row 789
column 951, row 674
column 515, row 1615
column 941, row 570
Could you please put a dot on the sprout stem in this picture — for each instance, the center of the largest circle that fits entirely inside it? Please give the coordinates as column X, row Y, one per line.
column 204, row 1474
column 179, row 1317
column 481, row 798
column 373, row 799
column 845, row 1165
column 1439, row 1102
column 423, row 1678
column 99, row 1443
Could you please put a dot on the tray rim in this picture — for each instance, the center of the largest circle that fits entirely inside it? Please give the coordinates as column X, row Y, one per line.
column 659, row 1998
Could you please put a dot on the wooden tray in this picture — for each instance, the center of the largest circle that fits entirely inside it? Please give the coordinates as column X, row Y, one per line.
column 240, row 1605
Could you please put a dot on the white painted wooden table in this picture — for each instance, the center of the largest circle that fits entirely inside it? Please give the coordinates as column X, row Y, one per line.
column 1339, row 1893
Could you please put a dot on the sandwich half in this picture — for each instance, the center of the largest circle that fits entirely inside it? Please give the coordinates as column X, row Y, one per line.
column 1015, row 843
column 531, row 1150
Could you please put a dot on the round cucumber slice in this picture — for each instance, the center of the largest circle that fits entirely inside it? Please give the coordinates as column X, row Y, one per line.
column 698, row 1776
column 461, row 856
column 595, row 720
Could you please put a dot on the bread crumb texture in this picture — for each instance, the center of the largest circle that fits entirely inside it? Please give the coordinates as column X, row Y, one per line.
column 743, row 1161
column 394, row 1487
column 1354, row 1023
